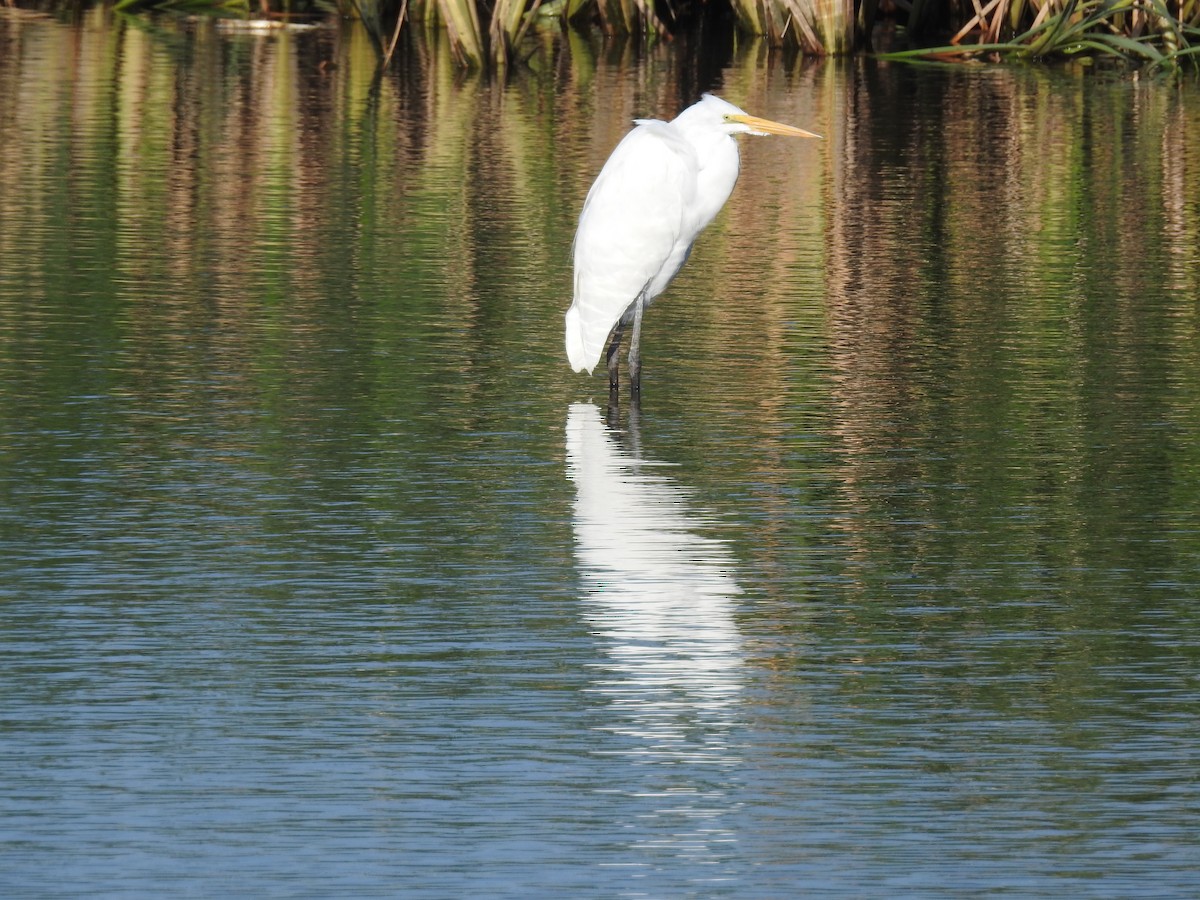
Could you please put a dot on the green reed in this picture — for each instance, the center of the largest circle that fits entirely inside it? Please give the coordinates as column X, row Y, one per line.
column 1159, row 34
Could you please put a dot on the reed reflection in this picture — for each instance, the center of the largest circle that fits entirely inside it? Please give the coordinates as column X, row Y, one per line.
column 658, row 593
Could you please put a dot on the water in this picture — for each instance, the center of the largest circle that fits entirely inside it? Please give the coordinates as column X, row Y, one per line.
column 322, row 574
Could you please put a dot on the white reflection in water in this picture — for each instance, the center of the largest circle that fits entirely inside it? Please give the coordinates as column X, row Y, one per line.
column 658, row 594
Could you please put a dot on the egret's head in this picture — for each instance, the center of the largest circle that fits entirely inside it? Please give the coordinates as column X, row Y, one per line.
column 726, row 117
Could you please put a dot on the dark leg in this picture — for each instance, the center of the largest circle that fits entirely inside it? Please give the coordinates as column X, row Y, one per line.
column 633, row 432
column 612, row 413
column 614, row 357
column 635, row 349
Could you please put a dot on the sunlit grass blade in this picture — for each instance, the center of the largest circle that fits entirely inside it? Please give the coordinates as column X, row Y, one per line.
column 506, row 24
column 1118, row 43
column 466, row 37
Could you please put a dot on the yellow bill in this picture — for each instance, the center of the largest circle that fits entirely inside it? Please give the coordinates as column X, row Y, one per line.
column 766, row 126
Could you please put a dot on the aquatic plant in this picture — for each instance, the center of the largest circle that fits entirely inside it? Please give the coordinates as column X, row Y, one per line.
column 1159, row 34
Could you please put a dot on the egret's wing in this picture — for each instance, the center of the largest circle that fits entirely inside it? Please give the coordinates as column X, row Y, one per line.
column 630, row 228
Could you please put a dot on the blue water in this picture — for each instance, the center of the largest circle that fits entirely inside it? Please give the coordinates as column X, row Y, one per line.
column 322, row 574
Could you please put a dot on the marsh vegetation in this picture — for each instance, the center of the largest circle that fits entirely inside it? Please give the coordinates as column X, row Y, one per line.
column 1161, row 35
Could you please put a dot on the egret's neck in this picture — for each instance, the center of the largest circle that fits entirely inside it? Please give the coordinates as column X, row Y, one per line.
column 717, row 154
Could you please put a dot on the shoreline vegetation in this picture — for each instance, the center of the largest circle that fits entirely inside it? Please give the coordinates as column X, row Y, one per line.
column 1158, row 35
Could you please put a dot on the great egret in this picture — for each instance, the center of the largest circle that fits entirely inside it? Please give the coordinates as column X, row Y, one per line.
column 658, row 190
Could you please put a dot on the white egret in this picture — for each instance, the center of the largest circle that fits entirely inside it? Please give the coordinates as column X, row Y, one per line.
column 658, row 190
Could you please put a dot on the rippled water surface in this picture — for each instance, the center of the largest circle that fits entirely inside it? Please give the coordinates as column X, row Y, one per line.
column 320, row 572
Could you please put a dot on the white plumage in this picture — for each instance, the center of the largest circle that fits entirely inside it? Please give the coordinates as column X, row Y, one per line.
column 662, row 185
